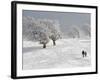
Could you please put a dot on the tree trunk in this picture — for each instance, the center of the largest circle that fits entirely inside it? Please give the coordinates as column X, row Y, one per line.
column 44, row 45
column 54, row 43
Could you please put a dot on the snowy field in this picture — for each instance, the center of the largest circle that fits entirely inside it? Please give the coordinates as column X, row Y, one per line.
column 66, row 53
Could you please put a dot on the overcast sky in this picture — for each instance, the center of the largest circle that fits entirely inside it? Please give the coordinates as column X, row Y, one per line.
column 66, row 19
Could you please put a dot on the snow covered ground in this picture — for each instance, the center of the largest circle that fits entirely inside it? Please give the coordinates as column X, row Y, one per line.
column 67, row 53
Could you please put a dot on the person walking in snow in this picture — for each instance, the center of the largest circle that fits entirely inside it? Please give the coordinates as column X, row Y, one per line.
column 84, row 53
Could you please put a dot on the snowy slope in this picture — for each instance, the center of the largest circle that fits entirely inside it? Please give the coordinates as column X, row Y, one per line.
column 67, row 53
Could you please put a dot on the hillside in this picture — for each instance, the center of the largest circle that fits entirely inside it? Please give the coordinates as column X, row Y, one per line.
column 67, row 53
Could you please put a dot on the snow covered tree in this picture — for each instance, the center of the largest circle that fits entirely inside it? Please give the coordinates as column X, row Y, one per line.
column 76, row 32
column 42, row 37
column 87, row 29
column 41, row 30
column 54, row 36
column 40, row 34
column 73, row 32
column 52, row 27
column 55, row 32
column 27, row 24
